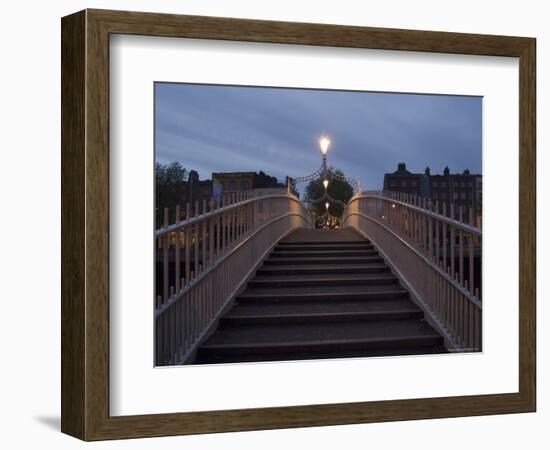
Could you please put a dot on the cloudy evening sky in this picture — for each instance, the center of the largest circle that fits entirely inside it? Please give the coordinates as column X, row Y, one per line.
column 232, row 129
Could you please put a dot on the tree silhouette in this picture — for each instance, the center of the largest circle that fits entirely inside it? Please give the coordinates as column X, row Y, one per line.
column 170, row 184
column 337, row 189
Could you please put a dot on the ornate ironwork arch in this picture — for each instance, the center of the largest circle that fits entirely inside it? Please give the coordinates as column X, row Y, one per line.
column 324, row 173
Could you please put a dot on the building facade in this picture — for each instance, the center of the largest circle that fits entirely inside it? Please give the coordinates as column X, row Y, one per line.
column 461, row 189
column 404, row 181
column 224, row 183
column 227, row 183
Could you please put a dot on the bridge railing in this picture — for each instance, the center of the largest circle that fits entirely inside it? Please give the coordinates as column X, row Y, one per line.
column 435, row 252
column 203, row 257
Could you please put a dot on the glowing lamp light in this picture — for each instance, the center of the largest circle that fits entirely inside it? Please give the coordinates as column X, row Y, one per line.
column 393, row 205
column 325, row 183
column 326, row 205
column 324, row 143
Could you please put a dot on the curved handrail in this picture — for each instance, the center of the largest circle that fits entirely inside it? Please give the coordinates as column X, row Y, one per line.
column 414, row 249
column 160, row 309
column 205, row 238
column 435, row 255
column 223, row 210
column 427, row 212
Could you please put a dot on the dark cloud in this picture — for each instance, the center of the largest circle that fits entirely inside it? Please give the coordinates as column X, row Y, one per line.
column 228, row 128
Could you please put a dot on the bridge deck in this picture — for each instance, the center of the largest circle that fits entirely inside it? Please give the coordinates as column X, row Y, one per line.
column 321, row 294
column 323, row 235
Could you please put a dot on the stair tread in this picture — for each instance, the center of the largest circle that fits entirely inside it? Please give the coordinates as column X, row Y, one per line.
column 321, row 259
column 337, row 277
column 349, row 306
column 325, row 290
column 325, row 244
column 324, row 267
column 214, row 358
column 309, row 235
column 323, row 253
column 330, row 333
column 328, row 245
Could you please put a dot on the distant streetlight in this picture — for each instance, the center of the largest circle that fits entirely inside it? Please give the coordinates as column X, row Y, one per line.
column 324, row 143
column 325, row 175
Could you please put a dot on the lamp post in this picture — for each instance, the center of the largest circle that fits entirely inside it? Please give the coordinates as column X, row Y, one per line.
column 324, row 143
column 326, row 174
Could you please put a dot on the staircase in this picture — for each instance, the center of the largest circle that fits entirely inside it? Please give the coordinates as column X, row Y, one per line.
column 321, row 294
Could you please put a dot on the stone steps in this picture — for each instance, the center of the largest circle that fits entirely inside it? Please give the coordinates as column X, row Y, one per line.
column 321, row 294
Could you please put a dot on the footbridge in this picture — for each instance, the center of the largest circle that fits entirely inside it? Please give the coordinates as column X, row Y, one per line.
column 252, row 279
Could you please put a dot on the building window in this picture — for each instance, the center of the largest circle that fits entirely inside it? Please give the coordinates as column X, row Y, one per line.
column 463, row 196
column 434, row 184
column 232, row 186
column 413, row 183
column 443, row 184
column 455, row 196
column 403, row 183
column 244, row 186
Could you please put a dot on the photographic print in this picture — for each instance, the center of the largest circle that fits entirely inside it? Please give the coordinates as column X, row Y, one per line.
column 311, row 212
column 299, row 224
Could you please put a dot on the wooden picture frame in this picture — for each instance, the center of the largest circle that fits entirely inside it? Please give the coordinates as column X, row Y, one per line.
column 85, row 224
